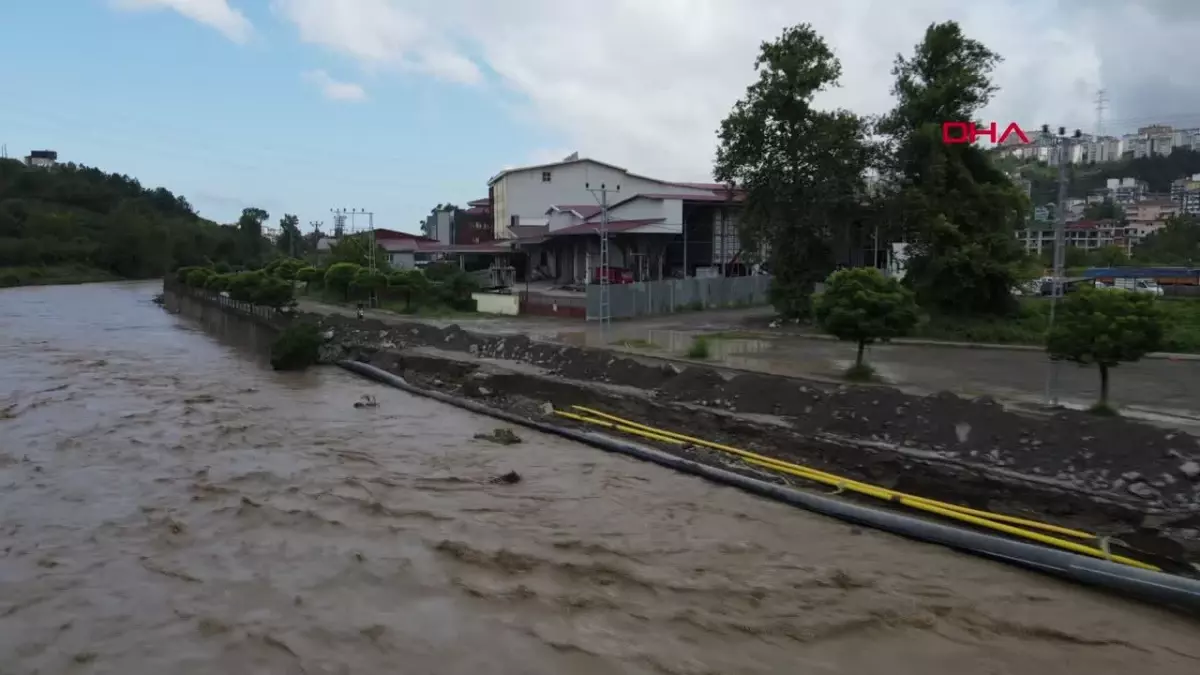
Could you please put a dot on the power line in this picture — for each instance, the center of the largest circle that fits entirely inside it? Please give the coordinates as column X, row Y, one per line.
column 1101, row 105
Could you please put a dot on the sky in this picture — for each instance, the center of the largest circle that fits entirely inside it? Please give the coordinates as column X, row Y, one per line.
column 394, row 106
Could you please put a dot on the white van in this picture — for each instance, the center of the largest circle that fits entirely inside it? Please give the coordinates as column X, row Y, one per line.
column 1137, row 285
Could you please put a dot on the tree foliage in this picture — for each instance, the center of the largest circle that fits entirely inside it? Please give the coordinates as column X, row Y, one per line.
column 291, row 241
column 266, row 287
column 1177, row 243
column 250, row 230
column 1105, row 327
column 802, row 169
column 863, row 306
column 340, row 276
column 959, row 211
column 73, row 215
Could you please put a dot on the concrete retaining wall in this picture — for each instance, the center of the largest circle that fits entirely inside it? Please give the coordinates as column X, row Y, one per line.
column 495, row 303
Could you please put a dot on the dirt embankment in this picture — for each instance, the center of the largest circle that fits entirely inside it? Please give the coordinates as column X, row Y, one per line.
column 1111, row 475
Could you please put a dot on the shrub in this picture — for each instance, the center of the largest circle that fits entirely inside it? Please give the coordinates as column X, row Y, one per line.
column 297, row 347
column 861, row 305
column 1105, row 327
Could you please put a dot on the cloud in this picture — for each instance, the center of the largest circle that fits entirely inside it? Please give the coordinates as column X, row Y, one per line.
column 380, row 33
column 644, row 84
column 213, row 13
column 335, row 90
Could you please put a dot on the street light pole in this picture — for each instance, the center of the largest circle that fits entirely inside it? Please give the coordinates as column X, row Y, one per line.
column 1061, row 142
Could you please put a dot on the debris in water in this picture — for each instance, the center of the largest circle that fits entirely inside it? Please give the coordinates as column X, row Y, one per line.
column 367, row 401
column 507, row 479
column 500, row 435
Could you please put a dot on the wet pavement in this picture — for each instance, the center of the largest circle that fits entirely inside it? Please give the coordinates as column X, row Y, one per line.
column 171, row 505
column 1152, row 386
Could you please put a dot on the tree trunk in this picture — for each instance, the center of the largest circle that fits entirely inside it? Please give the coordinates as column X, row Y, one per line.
column 858, row 361
column 1104, row 385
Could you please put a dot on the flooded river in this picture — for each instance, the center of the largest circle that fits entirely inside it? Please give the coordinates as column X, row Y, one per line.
column 170, row 505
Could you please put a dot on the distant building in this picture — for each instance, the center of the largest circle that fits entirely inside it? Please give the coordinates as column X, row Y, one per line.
column 1125, row 191
column 42, row 158
column 1185, row 193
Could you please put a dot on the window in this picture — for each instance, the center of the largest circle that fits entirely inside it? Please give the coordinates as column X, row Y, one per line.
column 545, row 176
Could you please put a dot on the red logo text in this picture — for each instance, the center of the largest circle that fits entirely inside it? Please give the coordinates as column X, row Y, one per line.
column 969, row 132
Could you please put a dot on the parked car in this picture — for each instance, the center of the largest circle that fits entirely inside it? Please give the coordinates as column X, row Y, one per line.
column 615, row 275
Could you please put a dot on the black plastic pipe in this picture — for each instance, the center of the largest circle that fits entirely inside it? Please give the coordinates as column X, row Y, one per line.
column 1159, row 588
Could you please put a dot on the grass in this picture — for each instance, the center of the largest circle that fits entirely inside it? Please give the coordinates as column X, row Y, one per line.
column 699, row 348
column 860, row 373
column 1028, row 326
column 425, row 311
column 47, row 276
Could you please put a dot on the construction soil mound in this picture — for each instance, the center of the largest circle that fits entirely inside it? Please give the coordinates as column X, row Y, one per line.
column 1113, row 475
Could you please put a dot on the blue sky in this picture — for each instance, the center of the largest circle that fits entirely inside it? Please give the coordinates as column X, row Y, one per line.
column 176, row 103
column 300, row 106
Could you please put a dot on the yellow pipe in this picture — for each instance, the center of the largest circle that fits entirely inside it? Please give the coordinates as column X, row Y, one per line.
column 919, row 504
column 865, row 488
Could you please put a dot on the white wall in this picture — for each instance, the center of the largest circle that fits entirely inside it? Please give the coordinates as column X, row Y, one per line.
column 563, row 219
column 643, row 209
column 403, row 260
column 523, row 194
column 493, row 303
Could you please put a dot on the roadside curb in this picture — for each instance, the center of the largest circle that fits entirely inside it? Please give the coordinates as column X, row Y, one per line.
column 918, row 342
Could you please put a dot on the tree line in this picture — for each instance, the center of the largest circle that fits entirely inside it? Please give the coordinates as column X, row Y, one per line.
column 810, row 175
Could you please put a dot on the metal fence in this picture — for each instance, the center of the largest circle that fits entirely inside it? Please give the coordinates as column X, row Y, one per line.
column 654, row 298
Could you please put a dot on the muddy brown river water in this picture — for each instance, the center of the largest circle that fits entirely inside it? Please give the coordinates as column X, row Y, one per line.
column 168, row 504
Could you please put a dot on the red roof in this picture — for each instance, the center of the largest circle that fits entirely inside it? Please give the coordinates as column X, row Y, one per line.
column 381, row 233
column 478, row 211
column 480, row 202
column 614, row 226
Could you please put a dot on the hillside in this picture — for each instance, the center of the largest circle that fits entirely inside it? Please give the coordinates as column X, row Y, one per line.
column 74, row 223
column 1158, row 172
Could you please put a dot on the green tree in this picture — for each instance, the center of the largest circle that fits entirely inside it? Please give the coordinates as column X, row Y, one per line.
column 198, row 278
column 367, row 282
column 307, row 275
column 400, row 283
column 285, row 268
column 958, row 210
column 1109, row 256
column 297, row 347
column 1105, row 327
column 356, row 249
column 1176, row 243
column 802, row 169
column 290, row 242
column 340, row 276
column 81, row 218
column 274, row 292
column 861, row 305
column 244, row 286
column 250, row 231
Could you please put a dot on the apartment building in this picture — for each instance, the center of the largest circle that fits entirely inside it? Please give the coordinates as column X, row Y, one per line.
column 1185, row 194
column 1124, row 191
column 1148, row 216
column 1085, row 234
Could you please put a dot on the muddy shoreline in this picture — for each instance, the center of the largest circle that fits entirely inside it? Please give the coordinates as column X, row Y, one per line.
column 1112, row 476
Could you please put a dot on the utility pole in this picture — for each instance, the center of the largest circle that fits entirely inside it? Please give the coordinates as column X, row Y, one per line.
column 339, row 223
column 316, row 226
column 1101, row 106
column 601, row 195
column 1062, row 143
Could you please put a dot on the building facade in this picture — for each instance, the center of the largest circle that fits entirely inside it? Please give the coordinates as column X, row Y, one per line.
column 522, row 196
